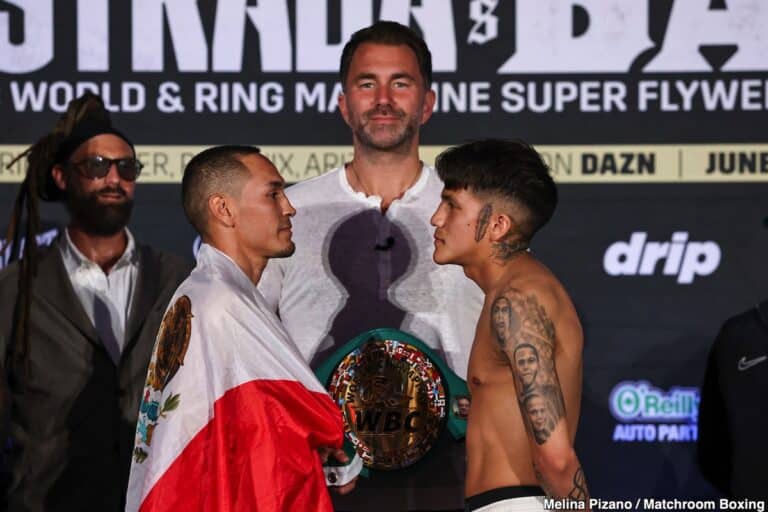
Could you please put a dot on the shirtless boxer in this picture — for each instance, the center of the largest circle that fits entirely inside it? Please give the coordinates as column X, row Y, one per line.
column 525, row 366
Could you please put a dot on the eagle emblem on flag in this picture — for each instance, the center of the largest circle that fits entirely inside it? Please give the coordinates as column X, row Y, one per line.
column 170, row 348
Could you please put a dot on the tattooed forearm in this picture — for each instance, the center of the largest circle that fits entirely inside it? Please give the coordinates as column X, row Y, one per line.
column 507, row 248
column 482, row 222
column 579, row 491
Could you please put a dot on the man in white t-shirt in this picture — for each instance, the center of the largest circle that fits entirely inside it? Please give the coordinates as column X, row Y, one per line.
column 364, row 247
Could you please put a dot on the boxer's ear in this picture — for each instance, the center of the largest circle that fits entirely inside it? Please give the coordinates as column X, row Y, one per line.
column 221, row 210
column 502, row 227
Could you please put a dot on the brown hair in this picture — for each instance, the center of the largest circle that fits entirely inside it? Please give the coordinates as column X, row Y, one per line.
column 388, row 33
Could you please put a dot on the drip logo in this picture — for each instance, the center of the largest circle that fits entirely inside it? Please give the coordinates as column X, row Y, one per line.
column 682, row 258
column 650, row 414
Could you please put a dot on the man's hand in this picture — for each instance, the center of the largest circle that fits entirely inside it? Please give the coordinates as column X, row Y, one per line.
column 337, row 454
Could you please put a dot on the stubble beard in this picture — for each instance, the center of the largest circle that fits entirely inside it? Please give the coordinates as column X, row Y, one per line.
column 389, row 138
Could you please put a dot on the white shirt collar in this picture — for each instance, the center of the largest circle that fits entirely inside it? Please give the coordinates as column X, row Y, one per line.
column 74, row 259
column 410, row 194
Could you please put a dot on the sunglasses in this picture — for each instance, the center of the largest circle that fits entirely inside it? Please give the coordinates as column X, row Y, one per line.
column 98, row 166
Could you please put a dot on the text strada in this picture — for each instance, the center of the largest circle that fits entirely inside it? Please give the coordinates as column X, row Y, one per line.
column 544, row 40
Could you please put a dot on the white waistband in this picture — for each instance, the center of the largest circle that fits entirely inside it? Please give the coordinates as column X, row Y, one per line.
column 524, row 504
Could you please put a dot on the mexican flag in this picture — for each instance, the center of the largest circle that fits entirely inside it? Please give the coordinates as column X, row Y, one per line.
column 232, row 417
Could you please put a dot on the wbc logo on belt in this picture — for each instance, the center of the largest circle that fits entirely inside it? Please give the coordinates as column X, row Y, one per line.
column 393, row 396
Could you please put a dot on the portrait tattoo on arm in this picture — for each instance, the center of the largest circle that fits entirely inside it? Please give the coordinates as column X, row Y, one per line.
column 527, row 336
column 482, row 221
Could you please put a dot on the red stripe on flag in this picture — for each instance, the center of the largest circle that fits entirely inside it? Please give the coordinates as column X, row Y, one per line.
column 258, row 453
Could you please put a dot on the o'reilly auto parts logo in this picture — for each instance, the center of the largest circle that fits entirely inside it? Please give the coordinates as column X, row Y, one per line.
column 647, row 414
column 678, row 257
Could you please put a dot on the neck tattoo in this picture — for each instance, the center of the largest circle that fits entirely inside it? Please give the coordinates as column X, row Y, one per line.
column 503, row 251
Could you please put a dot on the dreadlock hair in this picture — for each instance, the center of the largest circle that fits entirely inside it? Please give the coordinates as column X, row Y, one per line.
column 85, row 117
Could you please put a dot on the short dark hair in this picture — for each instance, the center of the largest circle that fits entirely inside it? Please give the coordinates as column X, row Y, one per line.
column 509, row 169
column 214, row 170
column 388, row 33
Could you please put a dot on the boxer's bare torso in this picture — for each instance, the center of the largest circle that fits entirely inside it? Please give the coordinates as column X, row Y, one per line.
column 524, row 374
column 525, row 365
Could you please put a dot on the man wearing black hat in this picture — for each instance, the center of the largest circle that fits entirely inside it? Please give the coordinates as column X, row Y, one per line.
column 78, row 321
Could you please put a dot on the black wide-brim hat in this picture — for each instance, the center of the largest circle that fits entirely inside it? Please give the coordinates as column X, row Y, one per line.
column 90, row 120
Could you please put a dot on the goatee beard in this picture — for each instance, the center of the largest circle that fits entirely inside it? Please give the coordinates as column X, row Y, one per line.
column 96, row 218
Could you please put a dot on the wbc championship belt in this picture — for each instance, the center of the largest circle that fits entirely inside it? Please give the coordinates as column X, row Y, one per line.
column 396, row 397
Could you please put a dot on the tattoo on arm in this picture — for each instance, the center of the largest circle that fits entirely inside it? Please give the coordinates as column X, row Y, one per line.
column 527, row 336
column 482, row 221
column 579, row 491
column 543, row 408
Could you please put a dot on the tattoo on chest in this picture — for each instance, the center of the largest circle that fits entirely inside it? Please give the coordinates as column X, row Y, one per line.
column 526, row 334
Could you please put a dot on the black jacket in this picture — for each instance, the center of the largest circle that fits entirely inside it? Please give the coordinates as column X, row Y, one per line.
column 733, row 414
column 72, row 417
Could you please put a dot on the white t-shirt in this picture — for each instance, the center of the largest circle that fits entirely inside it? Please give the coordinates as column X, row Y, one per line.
column 356, row 269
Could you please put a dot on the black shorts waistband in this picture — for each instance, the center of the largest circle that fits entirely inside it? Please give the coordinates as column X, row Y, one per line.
column 499, row 494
